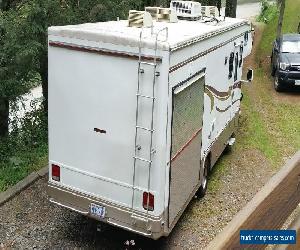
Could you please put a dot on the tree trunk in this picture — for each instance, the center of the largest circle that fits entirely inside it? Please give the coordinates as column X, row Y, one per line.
column 217, row 3
column 280, row 19
column 4, row 116
column 44, row 78
column 230, row 10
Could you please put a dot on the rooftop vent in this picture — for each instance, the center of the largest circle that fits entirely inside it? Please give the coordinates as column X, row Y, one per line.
column 139, row 19
column 209, row 11
column 162, row 14
column 186, row 9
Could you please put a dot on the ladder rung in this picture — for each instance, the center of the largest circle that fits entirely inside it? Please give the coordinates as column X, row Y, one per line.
column 145, row 96
column 149, row 63
column 147, row 129
column 142, row 159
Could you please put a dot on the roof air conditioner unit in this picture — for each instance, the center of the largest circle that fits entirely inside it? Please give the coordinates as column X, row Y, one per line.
column 162, row 14
column 139, row 19
column 186, row 9
column 209, row 11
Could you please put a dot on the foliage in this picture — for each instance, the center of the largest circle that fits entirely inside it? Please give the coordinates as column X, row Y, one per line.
column 23, row 30
column 268, row 11
column 210, row 2
column 23, row 64
column 25, row 150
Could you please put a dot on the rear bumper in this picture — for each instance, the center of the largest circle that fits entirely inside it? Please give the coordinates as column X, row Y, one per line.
column 153, row 227
column 288, row 77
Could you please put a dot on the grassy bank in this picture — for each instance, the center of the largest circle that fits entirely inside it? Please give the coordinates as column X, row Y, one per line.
column 25, row 150
column 281, row 116
column 270, row 122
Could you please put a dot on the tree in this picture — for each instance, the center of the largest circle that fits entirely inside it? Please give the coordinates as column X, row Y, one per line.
column 4, row 115
column 24, row 41
column 217, row 3
column 230, row 10
column 21, row 54
column 280, row 19
column 4, row 102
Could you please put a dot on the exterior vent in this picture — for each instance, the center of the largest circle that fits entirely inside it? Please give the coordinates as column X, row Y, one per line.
column 162, row 14
column 209, row 11
column 186, row 9
column 139, row 19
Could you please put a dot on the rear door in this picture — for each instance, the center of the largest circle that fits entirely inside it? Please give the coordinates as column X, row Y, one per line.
column 187, row 122
column 92, row 122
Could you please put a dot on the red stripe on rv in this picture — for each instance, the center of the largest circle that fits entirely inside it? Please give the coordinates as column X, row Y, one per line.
column 186, row 145
column 102, row 51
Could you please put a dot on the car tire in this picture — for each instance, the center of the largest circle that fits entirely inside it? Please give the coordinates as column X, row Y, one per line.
column 203, row 188
column 277, row 85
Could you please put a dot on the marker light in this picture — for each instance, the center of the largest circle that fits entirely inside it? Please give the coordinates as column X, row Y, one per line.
column 148, row 201
column 55, row 172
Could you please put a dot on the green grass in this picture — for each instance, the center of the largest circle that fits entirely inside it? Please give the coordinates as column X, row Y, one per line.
column 275, row 123
column 255, row 134
column 284, row 117
column 290, row 24
column 25, row 150
column 21, row 164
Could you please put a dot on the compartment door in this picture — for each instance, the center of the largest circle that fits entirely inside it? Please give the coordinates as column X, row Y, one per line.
column 187, row 122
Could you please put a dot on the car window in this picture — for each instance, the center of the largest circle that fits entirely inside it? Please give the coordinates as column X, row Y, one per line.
column 290, row 47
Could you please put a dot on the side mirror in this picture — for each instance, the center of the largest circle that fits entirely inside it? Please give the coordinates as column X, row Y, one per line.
column 250, row 75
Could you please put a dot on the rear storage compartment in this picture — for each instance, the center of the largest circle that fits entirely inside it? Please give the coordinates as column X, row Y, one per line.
column 91, row 122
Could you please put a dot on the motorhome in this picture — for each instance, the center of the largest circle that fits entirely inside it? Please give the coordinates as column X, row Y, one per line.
column 140, row 110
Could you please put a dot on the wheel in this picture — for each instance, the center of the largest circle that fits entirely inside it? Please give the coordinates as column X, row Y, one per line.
column 277, row 85
column 202, row 190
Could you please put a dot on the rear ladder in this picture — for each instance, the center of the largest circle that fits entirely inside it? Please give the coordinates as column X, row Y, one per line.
column 138, row 127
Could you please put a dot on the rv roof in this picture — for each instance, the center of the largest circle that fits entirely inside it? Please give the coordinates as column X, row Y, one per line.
column 118, row 32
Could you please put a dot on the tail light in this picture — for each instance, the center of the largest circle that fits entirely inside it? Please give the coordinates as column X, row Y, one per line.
column 55, row 172
column 148, row 201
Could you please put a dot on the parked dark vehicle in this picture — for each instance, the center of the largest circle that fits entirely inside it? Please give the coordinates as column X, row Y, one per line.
column 285, row 61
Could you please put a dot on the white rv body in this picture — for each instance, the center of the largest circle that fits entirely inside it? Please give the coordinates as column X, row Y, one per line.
column 104, row 160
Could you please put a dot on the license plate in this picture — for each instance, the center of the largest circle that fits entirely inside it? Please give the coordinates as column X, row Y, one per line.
column 97, row 211
column 297, row 82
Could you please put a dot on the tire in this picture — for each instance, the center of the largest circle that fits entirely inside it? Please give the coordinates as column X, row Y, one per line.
column 277, row 85
column 203, row 188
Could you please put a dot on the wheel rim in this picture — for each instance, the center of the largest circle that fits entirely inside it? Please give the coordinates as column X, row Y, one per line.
column 204, row 182
column 276, row 82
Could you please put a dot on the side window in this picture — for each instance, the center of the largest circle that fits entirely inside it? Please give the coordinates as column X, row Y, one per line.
column 236, row 66
column 246, row 38
column 231, row 60
column 241, row 56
